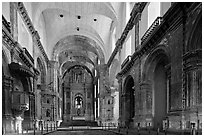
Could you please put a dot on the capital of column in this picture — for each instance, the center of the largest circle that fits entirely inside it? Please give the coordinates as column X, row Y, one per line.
column 53, row 63
column 102, row 67
column 145, row 85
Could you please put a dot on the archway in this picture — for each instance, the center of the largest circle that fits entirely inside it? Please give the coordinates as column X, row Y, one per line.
column 160, row 93
column 129, row 100
column 78, row 100
column 156, row 72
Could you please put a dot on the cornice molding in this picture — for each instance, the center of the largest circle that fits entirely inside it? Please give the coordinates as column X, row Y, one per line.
column 137, row 9
column 25, row 17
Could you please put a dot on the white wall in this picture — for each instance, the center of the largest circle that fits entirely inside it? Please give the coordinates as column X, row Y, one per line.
column 164, row 7
column 143, row 24
column 6, row 10
column 116, row 106
column 40, row 27
column 24, row 36
column 153, row 12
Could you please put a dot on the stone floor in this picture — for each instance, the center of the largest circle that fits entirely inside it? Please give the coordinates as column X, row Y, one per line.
column 86, row 130
column 83, row 132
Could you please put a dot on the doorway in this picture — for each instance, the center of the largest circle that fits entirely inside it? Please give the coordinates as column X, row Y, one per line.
column 129, row 100
column 160, row 94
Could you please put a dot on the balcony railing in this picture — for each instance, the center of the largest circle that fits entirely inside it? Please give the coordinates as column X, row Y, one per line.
column 28, row 55
column 126, row 61
column 151, row 29
column 6, row 24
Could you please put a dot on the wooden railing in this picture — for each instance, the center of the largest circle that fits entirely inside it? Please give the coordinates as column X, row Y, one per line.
column 151, row 29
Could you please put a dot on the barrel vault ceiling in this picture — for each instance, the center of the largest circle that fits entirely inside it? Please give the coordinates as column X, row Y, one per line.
column 76, row 32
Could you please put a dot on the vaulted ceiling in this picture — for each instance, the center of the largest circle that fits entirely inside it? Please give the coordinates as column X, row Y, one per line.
column 76, row 32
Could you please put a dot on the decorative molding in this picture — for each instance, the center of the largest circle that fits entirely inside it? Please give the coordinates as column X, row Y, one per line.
column 7, row 81
column 39, row 44
column 7, row 38
column 192, row 60
column 151, row 29
column 137, row 9
column 22, row 10
column 15, row 48
column 25, row 17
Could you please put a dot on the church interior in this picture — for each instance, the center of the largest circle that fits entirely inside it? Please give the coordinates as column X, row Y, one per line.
column 117, row 64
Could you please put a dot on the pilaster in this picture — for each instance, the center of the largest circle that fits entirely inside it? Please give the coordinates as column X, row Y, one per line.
column 6, row 102
column 120, row 100
column 53, row 75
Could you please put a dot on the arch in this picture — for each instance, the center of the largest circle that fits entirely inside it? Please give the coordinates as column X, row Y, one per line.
column 195, row 39
column 78, row 101
column 129, row 100
column 73, row 55
column 155, row 74
column 147, row 67
column 87, row 43
column 85, row 30
column 70, row 64
column 84, row 67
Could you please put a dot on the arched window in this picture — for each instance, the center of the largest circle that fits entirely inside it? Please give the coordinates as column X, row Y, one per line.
column 109, row 101
column 47, row 113
column 48, row 101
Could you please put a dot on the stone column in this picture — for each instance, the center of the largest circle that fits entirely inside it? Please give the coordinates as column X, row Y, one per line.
column 191, row 87
column 7, row 118
column 146, row 91
column 67, row 113
column 35, row 117
column 92, row 102
column 96, row 98
column 102, row 81
column 120, row 100
column 53, row 75
column 87, row 112
column 65, row 104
